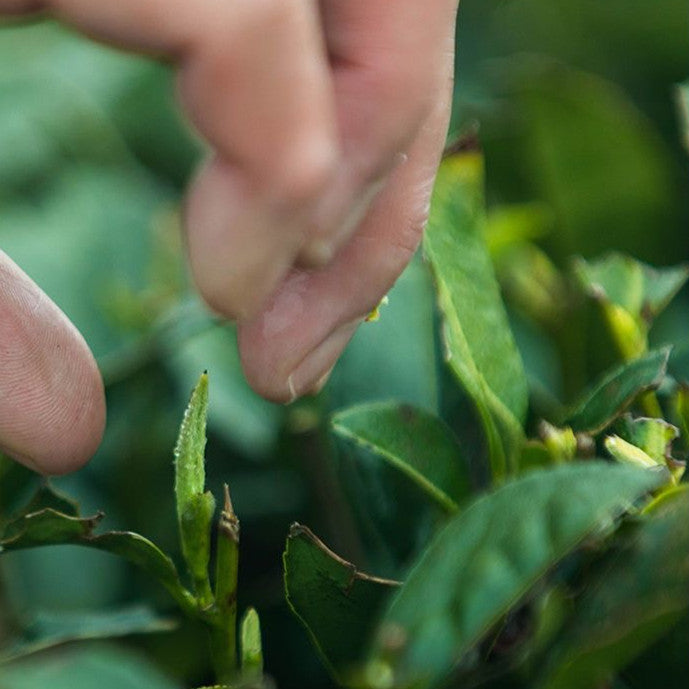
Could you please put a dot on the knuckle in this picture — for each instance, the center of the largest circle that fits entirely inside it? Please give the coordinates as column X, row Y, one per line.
column 303, row 173
column 223, row 302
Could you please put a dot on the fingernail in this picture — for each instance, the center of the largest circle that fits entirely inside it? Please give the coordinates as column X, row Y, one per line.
column 321, row 382
column 313, row 372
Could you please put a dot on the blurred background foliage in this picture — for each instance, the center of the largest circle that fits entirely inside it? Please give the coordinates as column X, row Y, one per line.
column 582, row 110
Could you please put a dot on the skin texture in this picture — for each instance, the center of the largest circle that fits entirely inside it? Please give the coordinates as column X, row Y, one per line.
column 326, row 121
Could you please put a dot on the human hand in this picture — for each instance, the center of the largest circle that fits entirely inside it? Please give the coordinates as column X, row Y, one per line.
column 326, row 121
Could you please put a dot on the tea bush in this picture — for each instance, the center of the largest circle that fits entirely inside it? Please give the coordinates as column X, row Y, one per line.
column 490, row 492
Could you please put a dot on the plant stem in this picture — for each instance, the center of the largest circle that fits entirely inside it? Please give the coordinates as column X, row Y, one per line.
column 224, row 627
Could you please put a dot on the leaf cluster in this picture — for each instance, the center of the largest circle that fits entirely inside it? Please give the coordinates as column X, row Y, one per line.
column 566, row 566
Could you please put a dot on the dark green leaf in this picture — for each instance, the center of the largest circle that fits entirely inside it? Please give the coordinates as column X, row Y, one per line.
column 83, row 667
column 484, row 561
column 617, row 390
column 48, row 629
column 47, row 497
column 146, row 555
column 394, row 515
column 48, row 527
column 338, row 605
column 642, row 590
column 414, row 441
column 479, row 344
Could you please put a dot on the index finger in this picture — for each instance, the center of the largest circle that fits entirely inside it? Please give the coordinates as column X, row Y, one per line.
column 255, row 80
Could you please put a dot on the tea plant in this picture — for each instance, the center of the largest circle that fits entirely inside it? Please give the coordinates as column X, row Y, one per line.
column 565, row 567
column 556, row 573
column 51, row 518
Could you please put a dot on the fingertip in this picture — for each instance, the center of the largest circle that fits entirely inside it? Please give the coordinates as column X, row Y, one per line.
column 284, row 369
column 52, row 402
column 84, row 428
column 57, row 433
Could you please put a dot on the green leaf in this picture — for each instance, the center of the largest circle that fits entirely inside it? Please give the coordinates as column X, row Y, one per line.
column 190, row 474
column 394, row 516
column 414, row 441
column 84, row 667
column 46, row 527
column 641, row 290
column 251, row 647
column 653, row 436
column 616, row 391
column 338, row 605
column 47, row 496
column 146, row 555
column 479, row 345
column 642, row 590
column 515, row 225
column 482, row 563
column 627, row 453
column 235, row 412
column 49, row 527
column 533, row 284
column 47, row 629
column 629, row 294
column 195, row 507
column 561, row 443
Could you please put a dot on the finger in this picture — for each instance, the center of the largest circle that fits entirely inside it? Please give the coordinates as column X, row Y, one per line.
column 247, row 221
column 52, row 408
column 389, row 62
column 255, row 80
column 296, row 340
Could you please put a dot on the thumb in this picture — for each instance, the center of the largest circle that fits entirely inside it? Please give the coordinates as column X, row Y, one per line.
column 52, row 406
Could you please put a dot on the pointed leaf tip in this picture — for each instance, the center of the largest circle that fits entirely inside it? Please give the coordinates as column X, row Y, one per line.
column 252, row 652
column 195, row 507
column 191, row 444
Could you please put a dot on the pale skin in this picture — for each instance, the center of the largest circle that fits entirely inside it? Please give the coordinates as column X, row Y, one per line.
column 326, row 121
